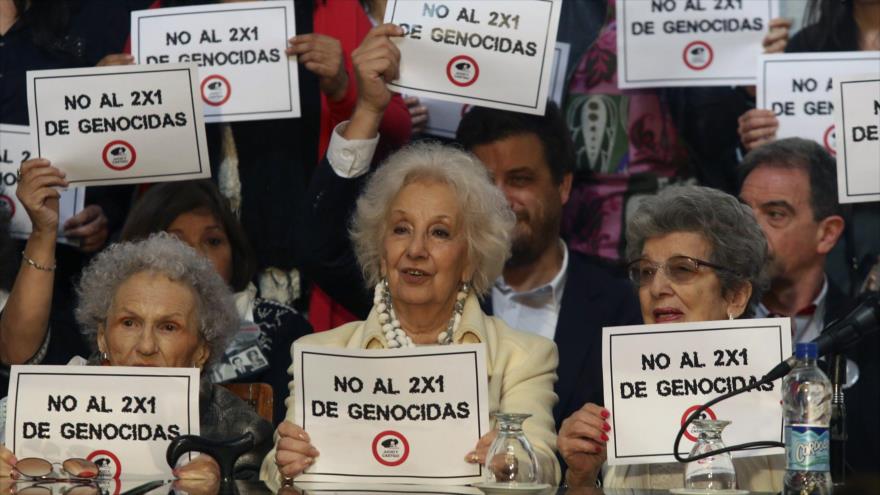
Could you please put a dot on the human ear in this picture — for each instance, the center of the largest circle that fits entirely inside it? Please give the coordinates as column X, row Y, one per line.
column 201, row 355
column 829, row 231
column 102, row 345
column 738, row 299
column 565, row 188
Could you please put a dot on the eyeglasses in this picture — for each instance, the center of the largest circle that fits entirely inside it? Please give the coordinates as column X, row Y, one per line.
column 81, row 487
column 38, row 469
column 678, row 269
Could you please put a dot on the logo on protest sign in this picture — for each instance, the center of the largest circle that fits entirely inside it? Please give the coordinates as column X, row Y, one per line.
column 7, row 205
column 216, row 90
column 119, row 155
column 108, row 464
column 390, row 448
column 829, row 139
column 462, row 70
column 698, row 55
column 707, row 414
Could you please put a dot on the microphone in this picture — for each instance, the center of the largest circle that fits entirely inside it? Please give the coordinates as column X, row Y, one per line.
column 860, row 322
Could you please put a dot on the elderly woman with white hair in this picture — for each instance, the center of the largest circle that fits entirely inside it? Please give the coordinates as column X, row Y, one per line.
column 155, row 302
column 431, row 234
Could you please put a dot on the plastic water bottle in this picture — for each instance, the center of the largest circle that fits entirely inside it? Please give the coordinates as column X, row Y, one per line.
column 806, row 403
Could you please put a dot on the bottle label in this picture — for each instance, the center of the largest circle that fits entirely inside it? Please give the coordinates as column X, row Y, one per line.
column 807, row 448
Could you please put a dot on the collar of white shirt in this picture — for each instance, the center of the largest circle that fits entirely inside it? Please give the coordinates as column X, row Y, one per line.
column 535, row 310
column 808, row 326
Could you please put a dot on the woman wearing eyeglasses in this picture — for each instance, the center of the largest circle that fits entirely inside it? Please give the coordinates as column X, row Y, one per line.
column 697, row 254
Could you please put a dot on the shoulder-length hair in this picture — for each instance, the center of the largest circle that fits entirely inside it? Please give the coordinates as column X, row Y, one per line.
column 163, row 203
column 487, row 219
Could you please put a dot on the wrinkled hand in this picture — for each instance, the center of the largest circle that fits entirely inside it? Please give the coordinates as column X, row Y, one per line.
column 478, row 455
column 116, row 59
column 418, row 113
column 376, row 62
column 581, row 442
column 322, row 55
column 294, row 452
column 756, row 127
column 7, row 461
column 37, row 191
column 777, row 35
column 203, row 468
column 90, row 226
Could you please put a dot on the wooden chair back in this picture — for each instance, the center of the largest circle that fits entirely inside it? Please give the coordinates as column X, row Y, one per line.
column 258, row 395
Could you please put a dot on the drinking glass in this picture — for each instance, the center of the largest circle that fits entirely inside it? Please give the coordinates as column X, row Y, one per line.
column 715, row 472
column 511, row 459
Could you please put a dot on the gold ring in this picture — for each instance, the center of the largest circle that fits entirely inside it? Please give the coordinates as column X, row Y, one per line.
column 475, row 458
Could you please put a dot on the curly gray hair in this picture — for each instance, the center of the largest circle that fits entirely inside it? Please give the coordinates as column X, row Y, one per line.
column 487, row 218
column 165, row 254
column 736, row 240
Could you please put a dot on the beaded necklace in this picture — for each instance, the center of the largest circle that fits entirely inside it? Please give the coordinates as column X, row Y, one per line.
column 394, row 334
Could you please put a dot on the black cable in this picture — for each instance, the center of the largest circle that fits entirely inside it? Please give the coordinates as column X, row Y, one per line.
column 743, row 446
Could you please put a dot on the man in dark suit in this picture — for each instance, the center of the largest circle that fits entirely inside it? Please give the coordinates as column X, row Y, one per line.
column 545, row 288
column 791, row 184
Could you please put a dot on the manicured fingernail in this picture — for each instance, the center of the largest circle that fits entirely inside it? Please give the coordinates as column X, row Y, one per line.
column 604, row 437
column 606, row 427
column 605, row 413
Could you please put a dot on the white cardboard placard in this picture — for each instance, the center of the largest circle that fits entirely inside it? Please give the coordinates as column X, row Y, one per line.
column 120, row 124
column 857, row 115
column 798, row 88
column 677, row 43
column 494, row 54
column 444, row 116
column 392, row 416
column 122, row 418
column 15, row 146
column 245, row 73
column 656, row 375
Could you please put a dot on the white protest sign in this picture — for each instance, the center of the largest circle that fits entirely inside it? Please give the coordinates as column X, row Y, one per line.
column 488, row 53
column 15, row 145
column 798, row 88
column 675, row 43
column 120, row 124
column 245, row 73
column 444, row 116
column 310, row 488
column 121, row 418
column 655, row 376
column 857, row 115
column 392, row 416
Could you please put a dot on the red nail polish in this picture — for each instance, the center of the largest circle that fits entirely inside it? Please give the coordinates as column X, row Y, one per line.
column 605, row 413
column 604, row 437
column 606, row 427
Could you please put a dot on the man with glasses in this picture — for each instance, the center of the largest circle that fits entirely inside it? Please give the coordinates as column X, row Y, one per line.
column 791, row 184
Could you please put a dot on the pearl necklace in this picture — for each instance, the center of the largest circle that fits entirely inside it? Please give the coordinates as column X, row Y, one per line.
column 394, row 334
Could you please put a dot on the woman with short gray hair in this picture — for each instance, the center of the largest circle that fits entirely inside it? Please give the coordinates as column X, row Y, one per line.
column 154, row 302
column 696, row 254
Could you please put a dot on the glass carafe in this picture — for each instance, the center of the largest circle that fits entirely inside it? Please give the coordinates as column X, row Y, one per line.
column 511, row 458
column 715, row 472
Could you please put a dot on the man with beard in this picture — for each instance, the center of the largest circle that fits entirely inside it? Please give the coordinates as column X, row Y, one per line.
column 791, row 184
column 546, row 288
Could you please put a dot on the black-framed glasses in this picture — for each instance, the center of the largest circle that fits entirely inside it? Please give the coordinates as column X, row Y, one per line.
column 678, row 269
column 34, row 468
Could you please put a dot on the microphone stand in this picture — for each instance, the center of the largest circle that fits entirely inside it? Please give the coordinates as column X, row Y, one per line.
column 838, row 420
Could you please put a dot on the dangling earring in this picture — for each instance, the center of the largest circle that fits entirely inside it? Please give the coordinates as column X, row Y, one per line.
column 105, row 359
column 730, row 316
